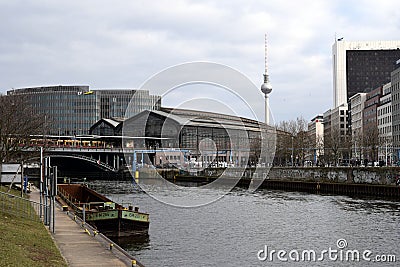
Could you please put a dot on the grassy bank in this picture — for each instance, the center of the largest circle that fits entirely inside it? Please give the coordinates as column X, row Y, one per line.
column 26, row 242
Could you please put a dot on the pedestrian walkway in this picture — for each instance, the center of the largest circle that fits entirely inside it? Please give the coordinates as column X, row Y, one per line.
column 79, row 246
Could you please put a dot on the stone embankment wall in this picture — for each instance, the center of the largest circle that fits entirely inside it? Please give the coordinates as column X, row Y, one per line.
column 366, row 175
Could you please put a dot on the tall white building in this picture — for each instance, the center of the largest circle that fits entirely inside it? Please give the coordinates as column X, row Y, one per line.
column 361, row 66
column 384, row 119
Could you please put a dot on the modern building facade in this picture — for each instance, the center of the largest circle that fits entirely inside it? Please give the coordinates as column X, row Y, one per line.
column 370, row 125
column 72, row 110
column 357, row 103
column 316, row 138
column 395, row 87
column 337, row 139
column 384, row 119
column 361, row 66
column 327, row 123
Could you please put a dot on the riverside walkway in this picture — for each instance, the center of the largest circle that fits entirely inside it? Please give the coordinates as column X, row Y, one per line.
column 79, row 246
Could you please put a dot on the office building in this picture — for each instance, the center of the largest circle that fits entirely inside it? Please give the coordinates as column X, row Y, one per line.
column 357, row 103
column 384, row 118
column 72, row 110
column 395, row 87
column 370, row 125
column 337, row 140
column 361, row 66
column 316, row 137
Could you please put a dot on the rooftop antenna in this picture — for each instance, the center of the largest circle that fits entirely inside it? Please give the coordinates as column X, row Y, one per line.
column 265, row 55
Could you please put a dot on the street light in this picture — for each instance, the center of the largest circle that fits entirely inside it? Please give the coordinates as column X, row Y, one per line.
column 292, row 151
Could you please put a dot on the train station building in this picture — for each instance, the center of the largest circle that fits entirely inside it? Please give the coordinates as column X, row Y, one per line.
column 179, row 136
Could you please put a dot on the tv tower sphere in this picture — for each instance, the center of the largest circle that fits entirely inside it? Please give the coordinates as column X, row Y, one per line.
column 266, row 87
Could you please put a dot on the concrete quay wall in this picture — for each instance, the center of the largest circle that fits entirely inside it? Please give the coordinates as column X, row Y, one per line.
column 348, row 175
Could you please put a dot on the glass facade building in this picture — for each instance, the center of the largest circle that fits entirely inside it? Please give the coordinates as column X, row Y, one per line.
column 367, row 70
column 72, row 110
column 361, row 66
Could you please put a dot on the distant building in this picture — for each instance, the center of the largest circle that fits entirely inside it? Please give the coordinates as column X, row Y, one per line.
column 361, row 66
column 339, row 119
column 370, row 125
column 72, row 110
column 337, row 139
column 357, row 103
column 316, row 137
column 327, row 124
column 384, row 118
column 395, row 87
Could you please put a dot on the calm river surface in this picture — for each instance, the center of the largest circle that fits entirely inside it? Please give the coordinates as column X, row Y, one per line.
column 233, row 230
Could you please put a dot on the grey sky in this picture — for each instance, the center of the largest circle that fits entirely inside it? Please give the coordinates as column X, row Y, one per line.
column 120, row 44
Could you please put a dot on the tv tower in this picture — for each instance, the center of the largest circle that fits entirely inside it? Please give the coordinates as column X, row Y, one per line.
column 266, row 87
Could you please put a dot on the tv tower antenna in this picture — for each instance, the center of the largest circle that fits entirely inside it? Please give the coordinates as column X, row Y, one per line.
column 266, row 87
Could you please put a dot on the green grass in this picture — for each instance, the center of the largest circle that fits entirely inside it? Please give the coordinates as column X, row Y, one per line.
column 26, row 242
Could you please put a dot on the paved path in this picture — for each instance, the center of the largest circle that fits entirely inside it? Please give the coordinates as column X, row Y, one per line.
column 77, row 246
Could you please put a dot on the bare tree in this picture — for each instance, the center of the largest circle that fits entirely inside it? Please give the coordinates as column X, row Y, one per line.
column 358, row 145
column 319, row 148
column 371, row 143
column 292, row 141
column 332, row 143
column 17, row 124
column 282, row 151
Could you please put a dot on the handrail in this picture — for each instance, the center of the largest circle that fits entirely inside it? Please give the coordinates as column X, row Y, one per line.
column 95, row 233
column 20, row 206
column 76, row 216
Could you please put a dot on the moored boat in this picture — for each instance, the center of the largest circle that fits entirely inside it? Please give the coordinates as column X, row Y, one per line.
column 108, row 217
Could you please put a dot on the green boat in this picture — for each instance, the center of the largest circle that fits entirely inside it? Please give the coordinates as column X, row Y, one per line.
column 108, row 217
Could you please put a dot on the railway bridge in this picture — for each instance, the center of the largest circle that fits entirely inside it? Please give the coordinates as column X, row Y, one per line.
column 79, row 161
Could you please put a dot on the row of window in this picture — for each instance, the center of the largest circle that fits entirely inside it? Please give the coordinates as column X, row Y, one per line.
column 174, row 157
column 385, row 130
column 384, row 110
column 385, row 120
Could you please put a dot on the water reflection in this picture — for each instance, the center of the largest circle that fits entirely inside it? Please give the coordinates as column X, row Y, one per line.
column 134, row 243
column 368, row 205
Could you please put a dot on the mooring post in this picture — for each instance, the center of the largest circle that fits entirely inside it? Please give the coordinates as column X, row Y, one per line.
column 83, row 213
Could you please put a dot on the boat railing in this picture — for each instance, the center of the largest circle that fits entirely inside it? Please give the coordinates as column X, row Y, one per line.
column 78, row 206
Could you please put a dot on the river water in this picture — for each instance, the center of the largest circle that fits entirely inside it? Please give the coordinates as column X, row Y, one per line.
column 243, row 228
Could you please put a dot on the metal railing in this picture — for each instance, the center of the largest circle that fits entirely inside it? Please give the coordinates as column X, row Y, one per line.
column 78, row 217
column 20, row 207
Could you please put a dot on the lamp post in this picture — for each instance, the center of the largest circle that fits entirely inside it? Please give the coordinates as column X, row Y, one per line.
column 292, row 152
column 386, row 152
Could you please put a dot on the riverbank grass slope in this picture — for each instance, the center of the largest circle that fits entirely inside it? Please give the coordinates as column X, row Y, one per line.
column 26, row 242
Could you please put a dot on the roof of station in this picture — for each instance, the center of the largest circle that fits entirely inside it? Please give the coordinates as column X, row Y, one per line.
column 196, row 118
column 186, row 117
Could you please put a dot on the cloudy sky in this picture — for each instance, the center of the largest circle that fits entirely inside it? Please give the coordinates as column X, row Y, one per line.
column 120, row 44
